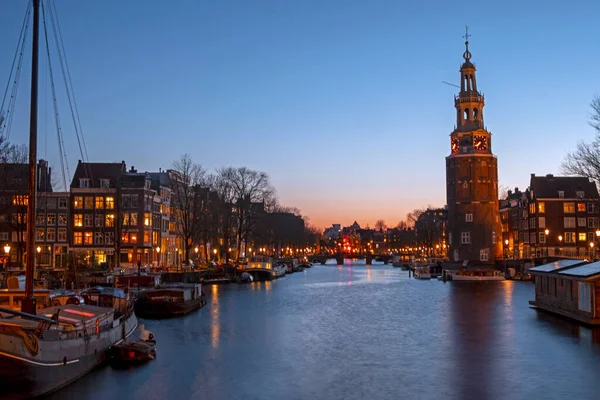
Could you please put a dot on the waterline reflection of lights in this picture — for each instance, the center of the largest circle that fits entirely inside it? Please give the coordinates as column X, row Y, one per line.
column 368, row 274
column 215, row 318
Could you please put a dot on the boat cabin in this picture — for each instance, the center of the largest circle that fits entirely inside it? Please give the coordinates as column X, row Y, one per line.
column 259, row 262
column 12, row 298
column 570, row 288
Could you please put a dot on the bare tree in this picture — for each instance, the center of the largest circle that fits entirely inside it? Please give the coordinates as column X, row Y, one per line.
column 248, row 187
column 413, row 216
column 13, row 153
column 402, row 225
column 585, row 160
column 184, row 180
column 380, row 225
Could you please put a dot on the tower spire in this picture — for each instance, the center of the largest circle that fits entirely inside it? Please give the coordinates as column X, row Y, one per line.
column 467, row 53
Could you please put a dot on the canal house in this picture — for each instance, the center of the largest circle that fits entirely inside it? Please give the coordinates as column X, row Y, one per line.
column 570, row 288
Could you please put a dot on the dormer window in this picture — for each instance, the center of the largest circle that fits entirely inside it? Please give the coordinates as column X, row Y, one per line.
column 580, row 194
column 104, row 183
column 561, row 194
column 84, row 183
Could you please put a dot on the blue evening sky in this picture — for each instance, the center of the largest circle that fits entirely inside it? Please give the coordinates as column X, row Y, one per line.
column 341, row 102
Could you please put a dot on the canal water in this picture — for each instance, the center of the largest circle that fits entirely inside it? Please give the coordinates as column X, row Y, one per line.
column 358, row 332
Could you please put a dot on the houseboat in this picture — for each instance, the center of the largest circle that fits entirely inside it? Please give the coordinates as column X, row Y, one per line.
column 422, row 272
column 478, row 275
column 261, row 268
column 42, row 352
column 570, row 288
column 171, row 299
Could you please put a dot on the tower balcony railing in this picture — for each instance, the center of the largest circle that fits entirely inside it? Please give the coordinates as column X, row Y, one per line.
column 471, row 98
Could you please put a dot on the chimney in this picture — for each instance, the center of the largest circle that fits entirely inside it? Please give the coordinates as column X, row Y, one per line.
column 549, row 176
column 533, row 175
column 132, row 170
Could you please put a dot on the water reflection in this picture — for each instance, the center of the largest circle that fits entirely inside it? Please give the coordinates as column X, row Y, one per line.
column 215, row 321
column 335, row 333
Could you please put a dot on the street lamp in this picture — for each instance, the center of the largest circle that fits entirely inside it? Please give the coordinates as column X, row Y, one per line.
column 505, row 256
column 158, row 255
column 546, row 232
column 559, row 243
column 591, row 249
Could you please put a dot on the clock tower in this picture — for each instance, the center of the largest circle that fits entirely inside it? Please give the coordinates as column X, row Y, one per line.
column 471, row 176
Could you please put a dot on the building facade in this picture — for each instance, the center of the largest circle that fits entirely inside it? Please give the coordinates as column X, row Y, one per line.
column 51, row 229
column 563, row 217
column 471, row 177
column 14, row 199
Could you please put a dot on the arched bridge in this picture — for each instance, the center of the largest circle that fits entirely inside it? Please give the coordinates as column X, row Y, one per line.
column 322, row 258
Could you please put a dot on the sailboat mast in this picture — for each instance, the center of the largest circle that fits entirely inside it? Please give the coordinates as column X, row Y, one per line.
column 28, row 304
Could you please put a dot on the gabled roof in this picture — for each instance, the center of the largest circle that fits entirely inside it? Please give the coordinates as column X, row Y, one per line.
column 96, row 171
column 548, row 186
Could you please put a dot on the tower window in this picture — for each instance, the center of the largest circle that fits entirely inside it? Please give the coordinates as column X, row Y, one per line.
column 466, row 113
column 474, row 113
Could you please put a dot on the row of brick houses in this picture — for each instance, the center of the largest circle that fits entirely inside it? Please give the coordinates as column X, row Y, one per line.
column 112, row 212
column 555, row 216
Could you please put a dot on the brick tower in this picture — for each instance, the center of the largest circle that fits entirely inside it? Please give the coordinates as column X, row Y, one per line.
column 471, row 176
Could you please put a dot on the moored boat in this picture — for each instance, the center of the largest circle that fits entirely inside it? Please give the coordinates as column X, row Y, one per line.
column 171, row 299
column 40, row 353
column 478, row 275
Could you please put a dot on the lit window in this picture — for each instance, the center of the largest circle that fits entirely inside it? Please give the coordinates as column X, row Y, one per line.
column 99, row 202
column 532, row 208
column 88, row 238
column 580, row 207
column 568, row 208
column 541, row 207
column 89, row 202
column 110, row 220
column 110, row 203
column 78, row 220
column 582, row 237
column 39, row 234
column 78, row 238
column 78, row 202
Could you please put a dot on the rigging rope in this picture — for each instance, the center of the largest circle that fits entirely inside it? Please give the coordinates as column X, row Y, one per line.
column 18, row 60
column 62, row 154
column 66, row 74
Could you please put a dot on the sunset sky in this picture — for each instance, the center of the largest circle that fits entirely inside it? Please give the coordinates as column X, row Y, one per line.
column 341, row 102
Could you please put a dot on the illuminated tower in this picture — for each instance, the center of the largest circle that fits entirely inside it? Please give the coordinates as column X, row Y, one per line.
column 471, row 176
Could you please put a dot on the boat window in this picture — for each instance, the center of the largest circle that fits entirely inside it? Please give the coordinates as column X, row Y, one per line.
column 5, row 301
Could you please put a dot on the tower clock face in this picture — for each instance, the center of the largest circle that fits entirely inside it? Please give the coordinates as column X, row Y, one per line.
column 480, row 142
column 454, row 144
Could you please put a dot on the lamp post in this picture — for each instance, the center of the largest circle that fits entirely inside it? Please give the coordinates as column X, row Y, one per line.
column 177, row 257
column 7, row 254
column 505, row 256
column 591, row 249
column 546, row 239
column 559, row 243
column 39, row 250
column 215, row 253
column 158, row 256
column 597, row 235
